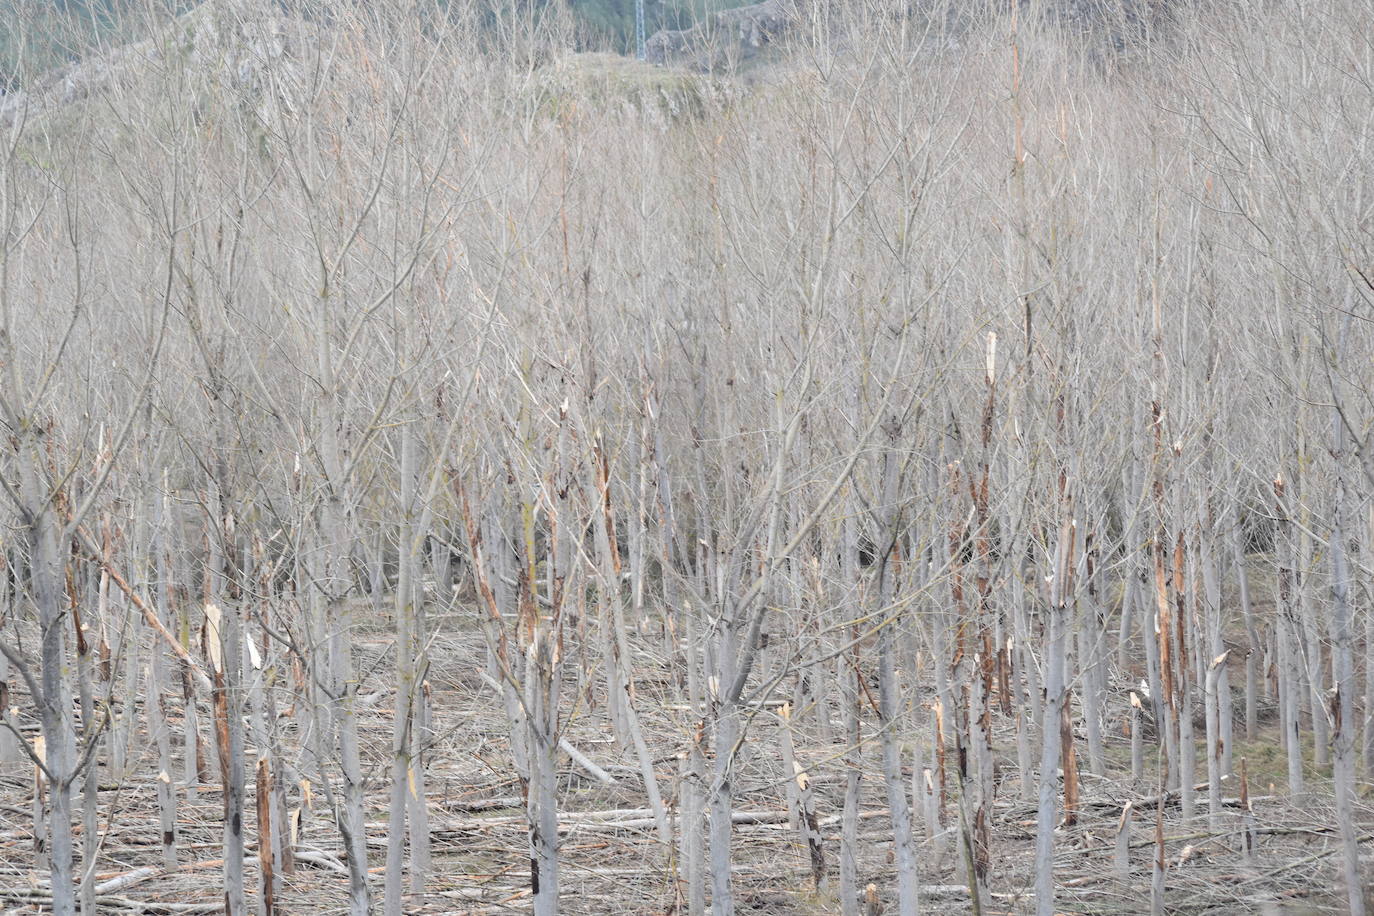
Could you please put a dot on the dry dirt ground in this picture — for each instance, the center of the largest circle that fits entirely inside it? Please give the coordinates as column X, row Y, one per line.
column 609, row 861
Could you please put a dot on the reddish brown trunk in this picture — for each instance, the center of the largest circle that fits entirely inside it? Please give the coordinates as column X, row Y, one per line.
column 264, row 796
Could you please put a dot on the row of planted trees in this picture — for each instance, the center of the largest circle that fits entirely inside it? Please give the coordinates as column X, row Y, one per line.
column 994, row 411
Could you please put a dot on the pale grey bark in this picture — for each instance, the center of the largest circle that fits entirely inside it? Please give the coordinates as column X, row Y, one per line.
column 160, row 679
column 808, row 824
column 1092, row 650
column 1047, row 812
column 273, row 837
column 195, row 757
column 42, row 813
column 1159, row 867
column 1186, row 648
column 930, row 803
column 848, row 677
column 1216, row 763
column 421, row 714
column 729, row 335
column 1254, row 649
column 54, row 703
column 736, row 636
column 406, row 686
column 1121, row 859
column 1023, row 676
column 1288, row 637
column 129, row 636
column 726, row 719
column 86, row 675
column 1314, row 671
column 1225, row 696
column 1368, row 743
column 542, row 703
column 1137, row 740
column 890, row 718
column 1133, row 482
column 227, row 648
column 1247, row 820
column 9, row 743
column 1343, row 657
column 417, row 799
column 530, row 678
column 376, row 574
column 619, row 674
column 691, row 838
column 334, row 667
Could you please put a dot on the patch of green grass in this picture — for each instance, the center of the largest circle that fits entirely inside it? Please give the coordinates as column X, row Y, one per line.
column 1266, row 762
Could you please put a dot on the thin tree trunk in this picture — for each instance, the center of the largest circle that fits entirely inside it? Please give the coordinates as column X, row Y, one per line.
column 196, row 763
column 1368, row 750
column 130, row 649
column 1343, row 653
column 417, row 799
column 1254, row 646
column 853, row 782
column 1159, row 867
column 1315, row 673
column 223, row 638
column 1287, row 650
column 541, row 702
column 1121, row 861
column 54, row 706
column 353, row 827
column 1137, row 741
column 266, row 856
column 158, row 675
column 848, row 677
column 1023, row 677
column 889, row 694
column 808, row 825
column 42, row 813
column 1184, row 597
column 402, row 721
column 1215, row 760
column 727, row 734
column 85, row 679
column 1220, row 744
column 1047, row 815
column 691, row 838
column 9, row 744
column 1247, row 819
column 613, row 615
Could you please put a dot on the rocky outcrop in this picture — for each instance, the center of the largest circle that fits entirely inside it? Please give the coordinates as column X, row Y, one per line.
column 240, row 47
column 74, row 82
column 743, row 30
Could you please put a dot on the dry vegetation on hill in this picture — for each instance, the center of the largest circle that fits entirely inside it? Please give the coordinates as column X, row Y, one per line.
column 444, row 473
